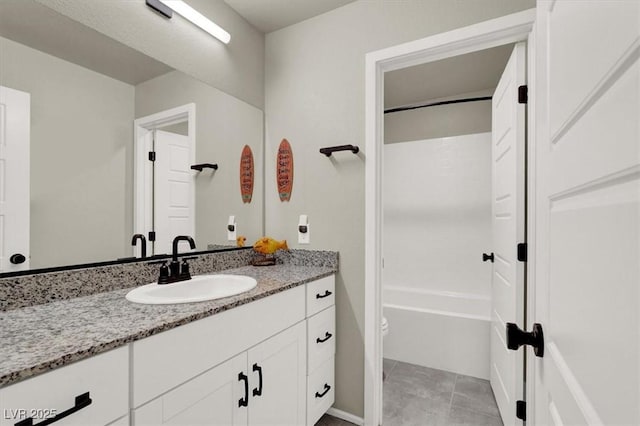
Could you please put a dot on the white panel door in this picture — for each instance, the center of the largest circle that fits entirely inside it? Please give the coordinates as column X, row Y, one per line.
column 277, row 370
column 174, row 208
column 212, row 398
column 587, row 234
column 15, row 132
column 508, row 210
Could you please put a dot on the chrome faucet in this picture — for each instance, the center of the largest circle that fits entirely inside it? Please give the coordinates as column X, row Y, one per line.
column 143, row 242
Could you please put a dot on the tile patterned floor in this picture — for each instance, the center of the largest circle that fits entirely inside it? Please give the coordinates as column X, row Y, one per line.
column 417, row 396
column 328, row 420
column 421, row 396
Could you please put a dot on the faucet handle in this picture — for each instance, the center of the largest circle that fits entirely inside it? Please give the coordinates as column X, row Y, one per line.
column 185, row 273
column 163, row 278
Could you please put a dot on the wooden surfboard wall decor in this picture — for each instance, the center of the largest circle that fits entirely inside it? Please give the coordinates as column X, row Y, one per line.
column 284, row 169
column 247, row 174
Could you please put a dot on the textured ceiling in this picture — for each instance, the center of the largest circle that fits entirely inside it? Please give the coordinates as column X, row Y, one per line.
column 473, row 72
column 41, row 28
column 271, row 15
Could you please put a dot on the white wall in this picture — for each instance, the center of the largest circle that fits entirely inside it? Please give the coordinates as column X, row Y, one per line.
column 314, row 86
column 224, row 125
column 236, row 68
column 437, row 214
column 81, row 130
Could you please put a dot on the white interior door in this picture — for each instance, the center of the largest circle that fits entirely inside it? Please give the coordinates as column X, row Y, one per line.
column 174, row 190
column 587, row 293
column 15, row 122
column 508, row 210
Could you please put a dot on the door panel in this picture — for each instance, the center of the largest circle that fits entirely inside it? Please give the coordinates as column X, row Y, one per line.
column 15, row 132
column 581, row 55
column 209, row 399
column 283, row 360
column 173, row 190
column 588, row 212
column 507, row 153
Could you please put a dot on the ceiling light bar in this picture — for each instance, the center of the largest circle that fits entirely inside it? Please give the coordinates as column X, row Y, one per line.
column 198, row 19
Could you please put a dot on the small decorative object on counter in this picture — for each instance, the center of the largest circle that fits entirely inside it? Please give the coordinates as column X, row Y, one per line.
column 266, row 247
column 241, row 240
column 246, row 174
column 284, row 170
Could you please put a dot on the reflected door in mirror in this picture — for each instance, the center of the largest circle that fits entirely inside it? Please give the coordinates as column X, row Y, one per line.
column 173, row 190
column 14, row 179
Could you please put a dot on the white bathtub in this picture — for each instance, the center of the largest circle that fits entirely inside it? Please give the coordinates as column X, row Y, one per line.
column 443, row 330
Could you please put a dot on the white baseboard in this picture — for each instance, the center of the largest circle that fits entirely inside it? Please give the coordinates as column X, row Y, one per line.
column 345, row 416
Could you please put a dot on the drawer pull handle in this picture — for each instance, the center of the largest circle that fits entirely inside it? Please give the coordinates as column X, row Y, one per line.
column 82, row 401
column 258, row 391
column 327, row 293
column 243, row 402
column 327, row 388
column 327, row 336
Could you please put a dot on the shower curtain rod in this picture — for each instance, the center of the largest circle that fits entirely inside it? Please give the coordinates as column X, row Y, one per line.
column 453, row 101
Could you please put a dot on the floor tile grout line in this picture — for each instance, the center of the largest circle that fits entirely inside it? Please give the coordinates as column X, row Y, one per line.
column 455, row 381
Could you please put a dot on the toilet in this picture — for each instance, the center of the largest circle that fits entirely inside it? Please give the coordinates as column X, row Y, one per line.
column 385, row 331
column 385, row 327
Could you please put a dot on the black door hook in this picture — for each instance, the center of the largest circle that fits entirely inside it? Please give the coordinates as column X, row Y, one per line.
column 486, row 257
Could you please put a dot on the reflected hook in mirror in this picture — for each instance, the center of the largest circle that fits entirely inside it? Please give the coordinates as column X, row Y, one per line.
column 143, row 240
column 201, row 166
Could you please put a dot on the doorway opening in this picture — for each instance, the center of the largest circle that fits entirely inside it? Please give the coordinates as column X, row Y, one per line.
column 449, row 212
column 476, row 307
column 164, row 187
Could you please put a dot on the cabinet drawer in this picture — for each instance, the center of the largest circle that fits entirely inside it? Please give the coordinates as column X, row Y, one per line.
column 104, row 376
column 321, row 338
column 320, row 391
column 320, row 294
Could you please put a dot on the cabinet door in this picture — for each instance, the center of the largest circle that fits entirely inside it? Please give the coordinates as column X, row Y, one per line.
column 213, row 398
column 99, row 383
column 277, row 369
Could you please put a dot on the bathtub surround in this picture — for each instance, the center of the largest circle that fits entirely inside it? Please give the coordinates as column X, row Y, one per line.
column 424, row 333
column 31, row 290
column 437, row 223
column 437, row 215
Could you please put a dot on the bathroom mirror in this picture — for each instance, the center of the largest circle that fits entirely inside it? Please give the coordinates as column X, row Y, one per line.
column 86, row 91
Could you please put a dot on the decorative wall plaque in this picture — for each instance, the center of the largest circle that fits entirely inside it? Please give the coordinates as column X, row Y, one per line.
column 246, row 174
column 284, row 169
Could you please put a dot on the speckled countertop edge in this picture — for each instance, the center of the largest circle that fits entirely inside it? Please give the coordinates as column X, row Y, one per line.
column 41, row 338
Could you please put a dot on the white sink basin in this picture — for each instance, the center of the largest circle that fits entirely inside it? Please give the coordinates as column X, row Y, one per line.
column 197, row 289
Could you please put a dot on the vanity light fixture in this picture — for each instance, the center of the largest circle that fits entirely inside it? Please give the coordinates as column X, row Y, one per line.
column 190, row 14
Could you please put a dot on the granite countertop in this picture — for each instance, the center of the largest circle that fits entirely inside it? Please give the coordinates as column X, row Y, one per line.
column 40, row 338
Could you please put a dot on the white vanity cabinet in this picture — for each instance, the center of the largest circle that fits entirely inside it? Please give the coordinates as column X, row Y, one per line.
column 94, row 391
column 265, row 385
column 245, row 366
column 268, row 362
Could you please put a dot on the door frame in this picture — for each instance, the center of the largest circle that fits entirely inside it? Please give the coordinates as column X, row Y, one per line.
column 484, row 35
column 142, row 167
